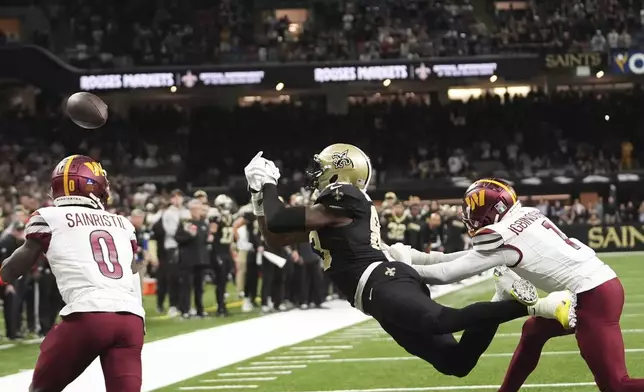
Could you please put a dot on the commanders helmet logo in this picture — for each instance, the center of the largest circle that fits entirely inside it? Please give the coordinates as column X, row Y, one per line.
column 96, row 168
column 341, row 159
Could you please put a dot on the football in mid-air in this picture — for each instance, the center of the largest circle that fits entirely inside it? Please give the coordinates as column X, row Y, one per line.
column 87, row 110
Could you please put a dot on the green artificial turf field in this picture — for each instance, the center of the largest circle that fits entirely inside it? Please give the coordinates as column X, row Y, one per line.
column 21, row 354
column 363, row 358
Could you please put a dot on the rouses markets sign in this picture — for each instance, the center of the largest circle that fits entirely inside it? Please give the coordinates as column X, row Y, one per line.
column 147, row 80
column 401, row 72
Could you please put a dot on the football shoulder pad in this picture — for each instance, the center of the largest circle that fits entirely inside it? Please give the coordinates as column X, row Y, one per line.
column 486, row 239
column 345, row 196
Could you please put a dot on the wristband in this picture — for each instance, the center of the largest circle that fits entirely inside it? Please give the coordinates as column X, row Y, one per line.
column 257, row 200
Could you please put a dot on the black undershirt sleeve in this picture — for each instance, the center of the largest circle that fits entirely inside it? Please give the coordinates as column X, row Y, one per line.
column 280, row 219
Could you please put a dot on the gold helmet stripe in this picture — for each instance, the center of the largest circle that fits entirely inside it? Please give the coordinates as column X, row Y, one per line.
column 500, row 184
column 66, row 174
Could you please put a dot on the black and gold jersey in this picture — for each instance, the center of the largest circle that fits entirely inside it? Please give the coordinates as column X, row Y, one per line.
column 224, row 234
column 395, row 228
column 347, row 250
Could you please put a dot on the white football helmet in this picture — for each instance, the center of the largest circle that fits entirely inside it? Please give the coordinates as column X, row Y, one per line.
column 224, row 203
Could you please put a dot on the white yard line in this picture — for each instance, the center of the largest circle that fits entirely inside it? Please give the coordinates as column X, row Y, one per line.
column 278, row 357
column 387, row 359
column 317, row 352
column 517, row 334
column 465, row 387
column 498, row 335
column 271, row 367
column 624, row 315
column 33, row 341
column 6, row 346
column 239, row 379
column 297, row 348
column 217, row 387
column 276, row 373
column 350, row 336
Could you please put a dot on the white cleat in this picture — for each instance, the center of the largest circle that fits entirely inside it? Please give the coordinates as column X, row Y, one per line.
column 558, row 305
column 509, row 285
column 247, row 306
column 173, row 312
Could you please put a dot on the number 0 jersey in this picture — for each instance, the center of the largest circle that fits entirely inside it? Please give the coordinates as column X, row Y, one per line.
column 348, row 250
column 90, row 253
column 547, row 257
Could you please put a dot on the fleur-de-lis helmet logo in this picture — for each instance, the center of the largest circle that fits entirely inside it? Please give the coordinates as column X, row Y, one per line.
column 341, row 159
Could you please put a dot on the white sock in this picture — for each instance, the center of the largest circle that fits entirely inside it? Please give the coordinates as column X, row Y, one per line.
column 536, row 309
column 497, row 298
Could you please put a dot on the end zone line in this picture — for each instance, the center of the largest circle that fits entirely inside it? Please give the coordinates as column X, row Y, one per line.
column 466, row 387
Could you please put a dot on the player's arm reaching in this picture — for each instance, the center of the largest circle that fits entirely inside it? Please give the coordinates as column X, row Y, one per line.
column 281, row 226
column 37, row 237
column 444, row 268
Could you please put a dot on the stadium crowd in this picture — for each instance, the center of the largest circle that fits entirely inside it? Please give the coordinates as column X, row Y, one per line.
column 407, row 136
column 96, row 34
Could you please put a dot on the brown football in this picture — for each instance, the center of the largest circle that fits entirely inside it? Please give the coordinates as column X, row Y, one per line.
column 87, row 110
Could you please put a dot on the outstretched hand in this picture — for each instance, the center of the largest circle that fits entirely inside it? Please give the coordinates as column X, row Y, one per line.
column 261, row 171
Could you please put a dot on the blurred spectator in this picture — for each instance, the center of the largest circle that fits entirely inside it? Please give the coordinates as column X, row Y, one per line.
column 22, row 294
column 168, row 273
column 579, row 212
column 594, row 220
column 192, row 239
column 613, row 39
column 598, row 42
column 50, row 301
column 611, row 211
